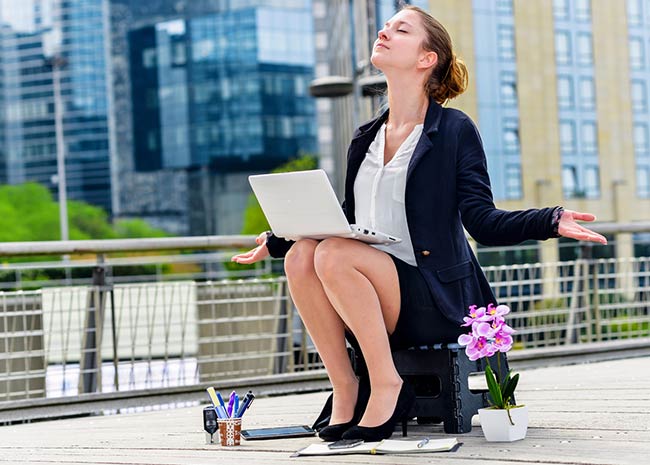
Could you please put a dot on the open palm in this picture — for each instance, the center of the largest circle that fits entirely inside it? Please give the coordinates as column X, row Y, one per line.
column 254, row 255
column 570, row 228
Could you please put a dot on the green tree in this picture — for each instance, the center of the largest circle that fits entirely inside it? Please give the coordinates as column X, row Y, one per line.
column 29, row 213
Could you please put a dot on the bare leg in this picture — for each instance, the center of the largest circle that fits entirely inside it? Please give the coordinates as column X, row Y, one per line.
column 324, row 326
column 362, row 284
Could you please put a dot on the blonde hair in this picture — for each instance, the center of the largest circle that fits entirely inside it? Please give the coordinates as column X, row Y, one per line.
column 449, row 78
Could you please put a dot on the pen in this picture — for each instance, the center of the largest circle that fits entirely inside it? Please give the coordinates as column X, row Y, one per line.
column 231, row 402
column 245, row 403
column 221, row 412
column 213, row 396
column 223, row 404
column 423, row 443
column 235, row 406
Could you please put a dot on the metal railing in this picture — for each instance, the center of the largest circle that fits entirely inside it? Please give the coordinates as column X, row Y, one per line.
column 108, row 337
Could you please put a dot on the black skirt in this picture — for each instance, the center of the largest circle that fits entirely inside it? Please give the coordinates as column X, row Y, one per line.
column 420, row 320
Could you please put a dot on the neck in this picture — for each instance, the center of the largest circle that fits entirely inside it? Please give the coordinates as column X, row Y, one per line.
column 407, row 101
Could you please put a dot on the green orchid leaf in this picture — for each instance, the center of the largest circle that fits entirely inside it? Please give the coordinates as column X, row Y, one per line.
column 493, row 386
column 504, row 382
column 510, row 388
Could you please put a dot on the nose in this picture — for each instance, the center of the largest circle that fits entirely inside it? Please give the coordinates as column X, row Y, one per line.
column 382, row 34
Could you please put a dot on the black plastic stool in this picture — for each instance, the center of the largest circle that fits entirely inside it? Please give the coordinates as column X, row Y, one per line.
column 440, row 376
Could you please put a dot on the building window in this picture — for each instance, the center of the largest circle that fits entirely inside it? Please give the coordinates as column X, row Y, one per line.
column 513, row 181
column 587, row 95
column 592, row 182
column 149, row 58
column 506, row 42
column 634, row 12
column 584, row 50
column 639, row 97
column 643, row 181
column 589, row 137
column 508, row 89
column 565, row 92
column 563, row 47
column 504, row 7
column 152, row 140
column 583, row 10
column 511, row 136
column 637, row 57
column 567, row 137
column 641, row 143
column 569, row 181
column 561, row 9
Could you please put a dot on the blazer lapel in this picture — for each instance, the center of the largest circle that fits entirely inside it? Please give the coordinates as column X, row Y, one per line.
column 356, row 154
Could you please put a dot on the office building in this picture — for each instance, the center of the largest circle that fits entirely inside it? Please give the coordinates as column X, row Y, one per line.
column 53, row 54
column 212, row 92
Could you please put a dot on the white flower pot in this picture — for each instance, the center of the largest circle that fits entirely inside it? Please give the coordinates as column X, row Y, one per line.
column 497, row 427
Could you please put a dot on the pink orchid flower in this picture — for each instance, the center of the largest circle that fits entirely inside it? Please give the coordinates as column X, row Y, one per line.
column 475, row 314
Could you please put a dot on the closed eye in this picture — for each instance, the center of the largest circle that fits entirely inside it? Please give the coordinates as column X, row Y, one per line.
column 402, row 30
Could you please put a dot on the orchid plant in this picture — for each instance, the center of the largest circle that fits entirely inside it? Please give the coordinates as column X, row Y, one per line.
column 491, row 335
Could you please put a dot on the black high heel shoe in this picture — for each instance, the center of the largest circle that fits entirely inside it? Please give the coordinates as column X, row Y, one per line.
column 335, row 432
column 405, row 402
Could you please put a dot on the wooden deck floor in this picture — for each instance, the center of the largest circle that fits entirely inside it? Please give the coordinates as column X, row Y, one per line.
column 596, row 413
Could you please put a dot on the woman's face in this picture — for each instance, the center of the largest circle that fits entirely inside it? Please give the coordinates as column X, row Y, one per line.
column 399, row 44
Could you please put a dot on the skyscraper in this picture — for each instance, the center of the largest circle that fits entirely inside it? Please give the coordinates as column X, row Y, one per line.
column 35, row 36
column 216, row 91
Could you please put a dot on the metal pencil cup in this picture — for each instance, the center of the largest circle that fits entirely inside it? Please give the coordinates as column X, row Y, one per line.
column 230, row 431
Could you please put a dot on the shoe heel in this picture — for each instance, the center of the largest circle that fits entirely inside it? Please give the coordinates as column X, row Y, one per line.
column 404, row 426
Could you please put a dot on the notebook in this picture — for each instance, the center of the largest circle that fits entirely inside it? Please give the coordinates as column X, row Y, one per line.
column 387, row 446
column 303, row 205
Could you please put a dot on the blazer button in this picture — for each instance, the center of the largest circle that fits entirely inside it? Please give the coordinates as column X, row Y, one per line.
column 426, row 253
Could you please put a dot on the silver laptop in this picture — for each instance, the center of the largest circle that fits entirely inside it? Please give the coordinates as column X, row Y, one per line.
column 302, row 204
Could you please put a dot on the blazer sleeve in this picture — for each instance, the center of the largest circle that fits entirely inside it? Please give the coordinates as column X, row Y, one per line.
column 483, row 221
column 278, row 246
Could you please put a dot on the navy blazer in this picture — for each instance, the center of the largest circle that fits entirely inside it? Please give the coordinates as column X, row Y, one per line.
column 447, row 187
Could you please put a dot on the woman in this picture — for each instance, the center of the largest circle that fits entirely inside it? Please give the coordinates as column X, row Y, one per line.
column 417, row 172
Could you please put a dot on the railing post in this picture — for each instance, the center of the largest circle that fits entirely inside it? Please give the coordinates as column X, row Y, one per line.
column 91, row 360
column 596, row 303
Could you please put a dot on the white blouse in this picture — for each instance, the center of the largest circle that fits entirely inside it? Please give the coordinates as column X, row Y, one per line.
column 379, row 193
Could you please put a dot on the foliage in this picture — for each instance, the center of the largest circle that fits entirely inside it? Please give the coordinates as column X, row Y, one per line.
column 29, row 213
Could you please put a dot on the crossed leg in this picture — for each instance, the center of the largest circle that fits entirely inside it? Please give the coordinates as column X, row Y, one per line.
column 342, row 282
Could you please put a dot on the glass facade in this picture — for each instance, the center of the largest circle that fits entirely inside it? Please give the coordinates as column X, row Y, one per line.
column 496, row 80
column 229, row 90
column 576, row 98
column 638, row 12
column 33, row 34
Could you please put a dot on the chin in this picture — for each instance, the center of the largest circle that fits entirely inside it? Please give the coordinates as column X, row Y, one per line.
column 377, row 61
